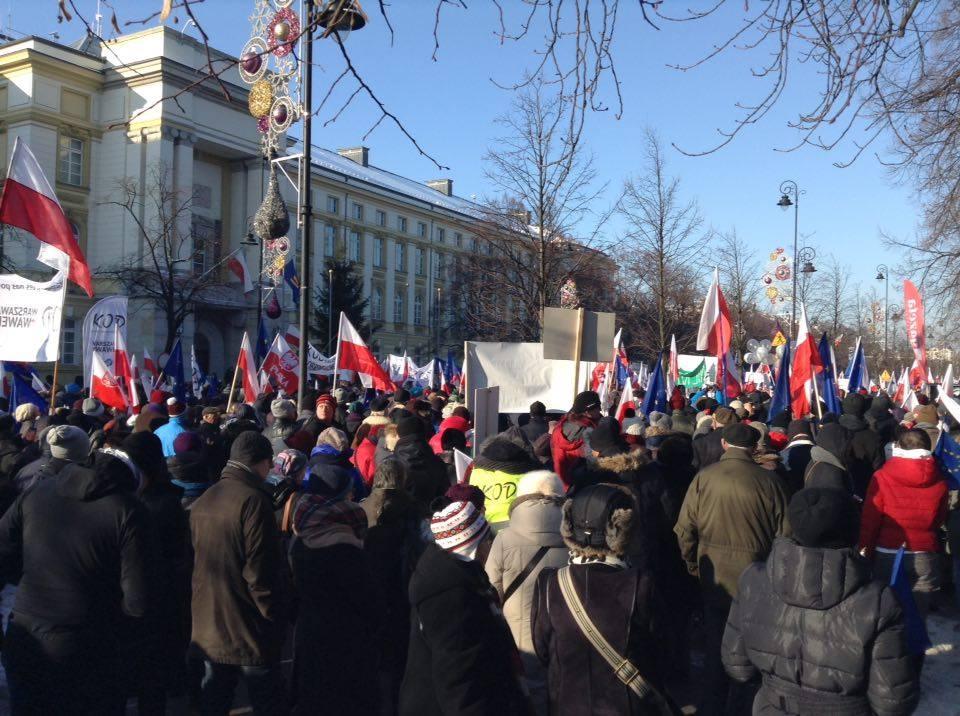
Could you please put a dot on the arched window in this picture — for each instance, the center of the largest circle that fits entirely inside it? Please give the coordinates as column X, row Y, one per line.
column 418, row 310
column 376, row 304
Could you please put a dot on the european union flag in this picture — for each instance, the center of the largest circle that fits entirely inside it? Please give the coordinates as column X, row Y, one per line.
column 947, row 453
column 293, row 280
column 173, row 372
column 829, row 393
column 918, row 641
column 781, row 391
column 22, row 390
column 655, row 399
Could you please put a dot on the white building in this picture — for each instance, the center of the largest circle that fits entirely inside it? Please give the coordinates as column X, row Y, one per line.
column 101, row 115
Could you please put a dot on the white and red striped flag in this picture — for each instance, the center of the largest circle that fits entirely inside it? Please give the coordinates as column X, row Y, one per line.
column 282, row 366
column 29, row 203
column 627, row 399
column 715, row 327
column 137, row 378
column 237, row 263
column 353, row 354
column 673, row 369
column 104, row 386
column 247, row 366
column 123, row 371
column 803, row 369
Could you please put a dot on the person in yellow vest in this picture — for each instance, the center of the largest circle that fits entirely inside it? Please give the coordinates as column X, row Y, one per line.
column 496, row 471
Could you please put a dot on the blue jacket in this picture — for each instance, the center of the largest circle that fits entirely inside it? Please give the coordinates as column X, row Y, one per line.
column 169, row 432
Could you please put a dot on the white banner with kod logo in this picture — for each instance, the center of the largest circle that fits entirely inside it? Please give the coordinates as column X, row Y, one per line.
column 30, row 313
column 99, row 332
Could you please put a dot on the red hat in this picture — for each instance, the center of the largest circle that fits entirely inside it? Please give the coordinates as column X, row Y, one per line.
column 158, row 397
column 326, row 398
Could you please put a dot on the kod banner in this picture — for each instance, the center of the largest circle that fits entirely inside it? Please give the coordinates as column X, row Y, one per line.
column 102, row 321
column 30, row 314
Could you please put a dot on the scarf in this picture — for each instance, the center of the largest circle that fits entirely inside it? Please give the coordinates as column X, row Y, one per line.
column 608, row 560
column 191, row 489
column 322, row 522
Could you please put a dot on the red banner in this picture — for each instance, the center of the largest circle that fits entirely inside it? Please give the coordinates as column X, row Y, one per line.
column 916, row 331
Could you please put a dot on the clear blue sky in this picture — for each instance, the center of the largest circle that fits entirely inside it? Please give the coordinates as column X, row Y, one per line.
column 450, row 104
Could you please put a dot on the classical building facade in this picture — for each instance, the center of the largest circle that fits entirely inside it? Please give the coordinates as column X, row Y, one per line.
column 101, row 116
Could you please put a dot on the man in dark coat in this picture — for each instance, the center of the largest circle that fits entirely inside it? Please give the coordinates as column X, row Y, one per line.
column 707, row 449
column 796, row 455
column 61, row 446
column 538, row 425
column 865, row 454
column 462, row 659
column 324, row 416
column 426, row 473
column 77, row 545
column 285, row 424
column 825, row 637
column 733, row 511
column 239, row 583
column 214, row 449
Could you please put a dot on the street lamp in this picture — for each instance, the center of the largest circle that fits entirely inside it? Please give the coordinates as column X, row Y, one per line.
column 883, row 274
column 436, row 323
column 790, row 189
column 330, row 315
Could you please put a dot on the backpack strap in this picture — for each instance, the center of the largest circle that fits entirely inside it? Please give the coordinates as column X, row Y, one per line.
column 524, row 573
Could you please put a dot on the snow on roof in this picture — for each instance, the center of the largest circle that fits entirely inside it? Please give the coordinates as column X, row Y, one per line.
column 332, row 161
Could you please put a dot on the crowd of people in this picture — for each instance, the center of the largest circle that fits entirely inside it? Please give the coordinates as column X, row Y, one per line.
column 332, row 560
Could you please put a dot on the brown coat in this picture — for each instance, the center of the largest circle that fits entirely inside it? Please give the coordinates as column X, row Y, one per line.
column 239, row 576
column 732, row 512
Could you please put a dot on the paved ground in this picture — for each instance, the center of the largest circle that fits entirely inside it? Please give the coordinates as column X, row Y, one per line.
column 940, row 681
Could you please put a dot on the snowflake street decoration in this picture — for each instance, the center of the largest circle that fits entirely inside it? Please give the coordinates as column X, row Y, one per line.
column 569, row 296
column 777, row 278
column 269, row 65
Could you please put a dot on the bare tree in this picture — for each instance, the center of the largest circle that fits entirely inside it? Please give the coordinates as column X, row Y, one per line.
column 176, row 266
column 664, row 235
column 740, row 276
column 542, row 231
column 830, row 305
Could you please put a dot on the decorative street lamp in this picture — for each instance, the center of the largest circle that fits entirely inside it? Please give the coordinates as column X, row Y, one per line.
column 883, row 274
column 790, row 189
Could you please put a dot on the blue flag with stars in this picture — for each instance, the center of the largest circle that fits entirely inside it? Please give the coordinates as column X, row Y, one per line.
column 947, row 454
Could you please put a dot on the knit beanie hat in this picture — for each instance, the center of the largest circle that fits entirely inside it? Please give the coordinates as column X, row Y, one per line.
column 410, row 426
column 463, row 492
column 587, row 400
column 288, row 463
column 250, row 448
column 335, row 438
column 853, row 404
column 741, row 436
column 326, row 399
column 660, row 420
column 187, row 441
column 92, row 408
column 723, row 416
column 824, row 517
column 68, row 443
column 331, row 482
column 302, row 440
column 283, row 408
column 459, row 528
column 145, row 450
column 605, row 437
column 175, row 407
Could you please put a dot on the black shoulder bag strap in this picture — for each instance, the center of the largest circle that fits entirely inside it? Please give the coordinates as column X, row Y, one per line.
column 522, row 577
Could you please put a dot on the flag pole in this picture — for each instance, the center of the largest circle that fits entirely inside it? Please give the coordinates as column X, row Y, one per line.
column 578, row 345
column 233, row 383
column 53, row 387
column 336, row 357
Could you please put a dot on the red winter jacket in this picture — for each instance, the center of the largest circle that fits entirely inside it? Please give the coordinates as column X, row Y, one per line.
column 454, row 422
column 906, row 503
column 566, row 445
column 363, row 457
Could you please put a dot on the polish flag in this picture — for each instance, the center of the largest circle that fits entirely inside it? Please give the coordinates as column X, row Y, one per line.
column 103, row 386
column 283, row 365
column 673, row 369
column 406, row 367
column 803, row 369
column 237, row 263
column 248, row 370
column 29, row 203
column 353, row 354
column 627, row 399
column 124, row 371
column 715, row 327
column 137, row 378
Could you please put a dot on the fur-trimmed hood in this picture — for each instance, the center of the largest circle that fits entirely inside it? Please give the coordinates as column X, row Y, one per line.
column 624, row 462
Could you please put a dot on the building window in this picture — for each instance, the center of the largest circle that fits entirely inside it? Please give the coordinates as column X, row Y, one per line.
column 488, row 248
column 376, row 304
column 353, row 246
column 401, row 256
column 402, row 224
column 441, row 235
column 381, row 218
column 421, row 229
column 333, row 205
column 378, row 252
column 458, row 239
column 398, row 308
column 419, row 261
column 473, row 244
column 358, row 212
column 418, row 310
column 70, row 161
column 437, row 265
column 329, row 239
column 68, row 349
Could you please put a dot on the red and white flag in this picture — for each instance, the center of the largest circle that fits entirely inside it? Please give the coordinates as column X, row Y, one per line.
column 673, row 370
column 29, row 203
column 104, row 386
column 237, row 263
column 137, row 378
column 803, row 369
column 123, row 370
column 283, row 366
column 248, row 371
column 627, row 399
column 353, row 354
column 150, row 373
column 715, row 327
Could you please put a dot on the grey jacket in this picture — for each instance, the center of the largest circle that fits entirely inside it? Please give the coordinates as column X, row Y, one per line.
column 534, row 523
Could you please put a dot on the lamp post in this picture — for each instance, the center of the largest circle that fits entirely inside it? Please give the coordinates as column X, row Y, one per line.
column 883, row 274
column 790, row 189
column 330, row 311
column 436, row 323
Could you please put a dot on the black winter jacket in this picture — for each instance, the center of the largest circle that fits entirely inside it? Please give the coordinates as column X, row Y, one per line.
column 462, row 656
column 426, row 473
column 79, row 546
column 707, row 449
column 864, row 452
column 824, row 637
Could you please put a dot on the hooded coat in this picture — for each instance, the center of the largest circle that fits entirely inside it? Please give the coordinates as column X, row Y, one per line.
column 426, row 473
column 188, row 471
column 497, row 471
column 828, row 460
column 461, row 657
column 796, row 458
column 707, row 448
column 78, row 545
column 906, row 504
column 534, row 524
column 824, row 636
column 454, row 422
column 864, row 452
column 568, row 444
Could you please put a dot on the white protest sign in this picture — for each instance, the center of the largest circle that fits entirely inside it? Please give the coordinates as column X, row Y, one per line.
column 99, row 332
column 30, row 314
